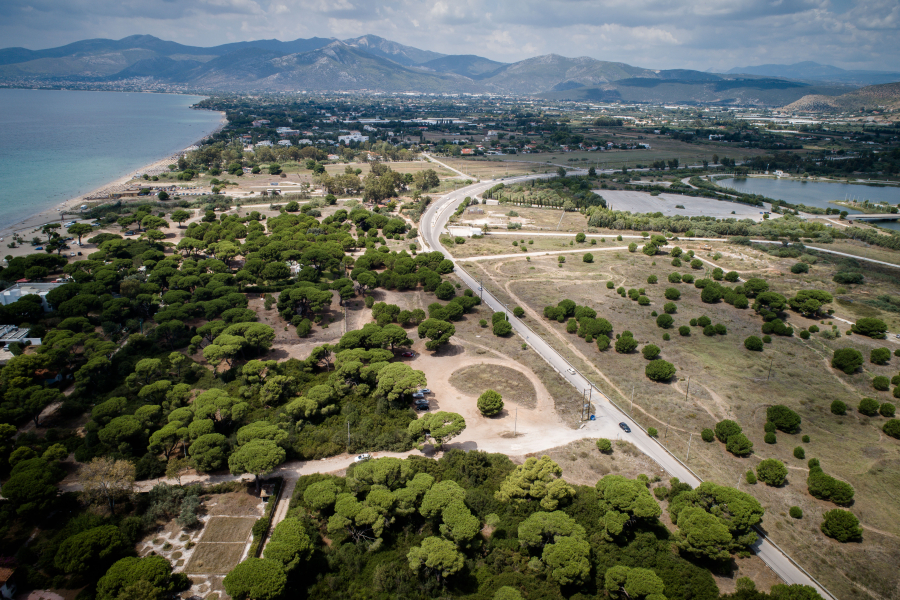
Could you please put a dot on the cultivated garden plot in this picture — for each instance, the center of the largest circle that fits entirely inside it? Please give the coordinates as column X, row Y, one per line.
column 728, row 381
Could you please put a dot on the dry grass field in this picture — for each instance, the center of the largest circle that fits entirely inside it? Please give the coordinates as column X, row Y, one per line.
column 728, row 381
column 214, row 559
column 227, row 530
column 509, row 383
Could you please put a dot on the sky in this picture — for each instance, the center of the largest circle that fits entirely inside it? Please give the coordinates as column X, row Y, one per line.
column 665, row 34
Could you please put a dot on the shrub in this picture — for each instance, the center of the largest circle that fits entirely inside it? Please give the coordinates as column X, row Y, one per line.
column 813, row 328
column 721, row 329
column 632, row 247
column 841, row 525
column 610, row 285
column 650, row 351
column 753, row 343
column 696, row 264
column 490, row 403
column 799, row 267
column 796, row 512
column 826, row 487
column 588, row 258
column 674, row 277
column 750, row 477
column 880, row 356
column 602, row 342
column 771, row 472
column 670, row 307
column 727, row 428
column 519, row 312
column 874, row 328
column 676, row 262
column 709, row 330
column 661, row 492
column 693, row 322
column 643, row 300
column 580, row 237
column 887, row 409
column 770, row 438
column 847, row 360
column 707, row 435
column 666, row 337
column 732, row 276
column 804, row 335
column 868, row 407
column 739, row 445
column 687, row 278
column 881, row 383
column 652, row 432
column 604, row 445
column 625, row 344
column 672, row 294
column 838, row 408
column 767, row 339
column 659, row 370
column 770, row 427
column 892, row 428
column 502, row 328
column 845, row 278
column 784, row 418
column 572, row 326
column 704, row 321
column 652, row 279
column 812, row 463
column 799, row 453
column 664, row 321
column 483, row 322
column 684, row 330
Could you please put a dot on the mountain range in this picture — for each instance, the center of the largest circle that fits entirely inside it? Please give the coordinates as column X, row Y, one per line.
column 813, row 71
column 372, row 63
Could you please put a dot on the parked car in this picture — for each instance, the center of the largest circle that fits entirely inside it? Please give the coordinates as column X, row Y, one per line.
column 625, row 427
column 418, row 395
column 39, row 248
column 362, row 458
column 422, row 405
column 408, row 354
column 425, row 391
column 71, row 254
column 79, row 253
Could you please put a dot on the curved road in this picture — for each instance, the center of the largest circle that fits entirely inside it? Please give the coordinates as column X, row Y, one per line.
column 432, row 223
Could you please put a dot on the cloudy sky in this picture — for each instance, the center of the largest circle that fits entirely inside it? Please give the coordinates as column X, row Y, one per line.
column 698, row 34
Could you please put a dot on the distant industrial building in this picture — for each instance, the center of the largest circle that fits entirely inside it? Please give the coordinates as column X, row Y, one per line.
column 26, row 288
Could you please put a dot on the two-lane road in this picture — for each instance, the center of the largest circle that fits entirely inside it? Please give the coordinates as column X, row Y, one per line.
column 433, row 222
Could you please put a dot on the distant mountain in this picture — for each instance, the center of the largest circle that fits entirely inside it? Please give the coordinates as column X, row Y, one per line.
column 376, row 64
column 887, row 95
column 813, row 71
column 405, row 55
column 467, row 65
column 710, row 90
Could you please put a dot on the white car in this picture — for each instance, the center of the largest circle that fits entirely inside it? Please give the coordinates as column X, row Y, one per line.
column 571, row 370
column 362, row 458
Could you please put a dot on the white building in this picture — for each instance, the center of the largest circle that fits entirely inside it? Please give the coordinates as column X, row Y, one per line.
column 463, row 230
column 264, row 143
column 284, row 142
column 354, row 136
column 25, row 288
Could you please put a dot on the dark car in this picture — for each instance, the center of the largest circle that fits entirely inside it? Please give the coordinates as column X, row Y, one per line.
column 625, row 427
column 422, row 405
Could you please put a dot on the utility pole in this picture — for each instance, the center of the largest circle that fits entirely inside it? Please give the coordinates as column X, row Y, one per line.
column 667, row 425
column 690, row 439
column 632, row 402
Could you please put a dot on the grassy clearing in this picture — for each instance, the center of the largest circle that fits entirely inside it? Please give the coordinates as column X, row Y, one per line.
column 228, row 529
column 214, row 558
column 583, row 464
column 507, row 382
column 535, row 219
column 727, row 381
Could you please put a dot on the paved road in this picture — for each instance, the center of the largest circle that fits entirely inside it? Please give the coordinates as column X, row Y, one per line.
column 433, row 221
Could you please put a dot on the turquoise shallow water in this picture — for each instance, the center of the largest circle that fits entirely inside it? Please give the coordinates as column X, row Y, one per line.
column 58, row 144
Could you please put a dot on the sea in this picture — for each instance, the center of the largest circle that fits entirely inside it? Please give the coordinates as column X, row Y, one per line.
column 58, row 144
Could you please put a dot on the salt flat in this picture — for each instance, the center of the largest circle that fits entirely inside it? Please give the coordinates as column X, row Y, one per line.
column 643, row 202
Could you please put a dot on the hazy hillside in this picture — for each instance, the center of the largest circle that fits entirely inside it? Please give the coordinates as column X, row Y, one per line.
column 873, row 96
column 759, row 92
column 551, row 71
column 468, row 65
column 813, row 71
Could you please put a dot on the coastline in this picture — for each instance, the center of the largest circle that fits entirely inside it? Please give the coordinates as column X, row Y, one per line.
column 70, row 208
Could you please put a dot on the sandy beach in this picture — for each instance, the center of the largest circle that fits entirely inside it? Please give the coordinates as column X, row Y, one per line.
column 70, row 210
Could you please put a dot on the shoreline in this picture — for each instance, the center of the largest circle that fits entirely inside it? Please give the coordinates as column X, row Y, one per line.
column 71, row 207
